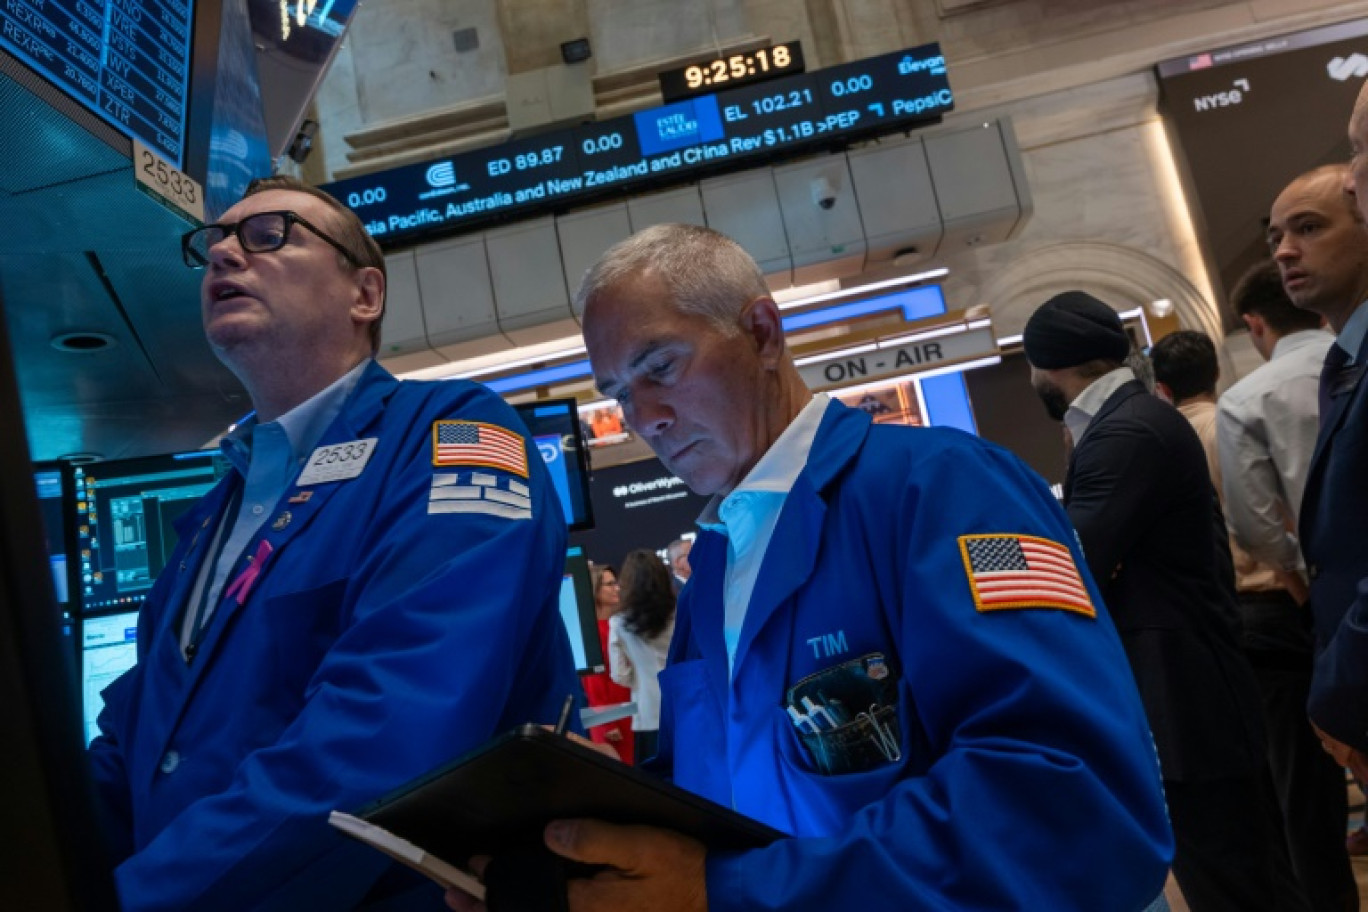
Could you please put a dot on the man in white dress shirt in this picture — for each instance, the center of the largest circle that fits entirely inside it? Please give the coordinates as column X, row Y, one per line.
column 1266, row 432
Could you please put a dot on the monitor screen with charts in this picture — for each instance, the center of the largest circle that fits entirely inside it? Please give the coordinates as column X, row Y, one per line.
column 125, row 515
column 109, row 647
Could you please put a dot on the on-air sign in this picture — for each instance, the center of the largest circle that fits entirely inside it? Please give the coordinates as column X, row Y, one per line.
column 675, row 143
column 910, row 357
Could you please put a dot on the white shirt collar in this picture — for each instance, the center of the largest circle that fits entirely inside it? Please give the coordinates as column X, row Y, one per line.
column 778, row 468
column 1090, row 401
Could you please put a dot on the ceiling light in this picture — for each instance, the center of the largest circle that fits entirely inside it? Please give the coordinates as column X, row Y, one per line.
column 837, row 294
column 83, row 342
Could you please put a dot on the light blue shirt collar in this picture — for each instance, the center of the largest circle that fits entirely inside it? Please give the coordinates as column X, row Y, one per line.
column 303, row 425
column 1089, row 402
column 777, row 469
column 1355, row 328
column 748, row 515
column 268, row 456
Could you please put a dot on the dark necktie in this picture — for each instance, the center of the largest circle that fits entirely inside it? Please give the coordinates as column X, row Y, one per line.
column 1335, row 359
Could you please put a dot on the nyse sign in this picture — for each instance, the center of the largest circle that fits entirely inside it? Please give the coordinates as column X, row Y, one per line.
column 908, row 358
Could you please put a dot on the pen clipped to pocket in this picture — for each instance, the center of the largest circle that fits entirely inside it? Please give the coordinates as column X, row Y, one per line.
column 847, row 715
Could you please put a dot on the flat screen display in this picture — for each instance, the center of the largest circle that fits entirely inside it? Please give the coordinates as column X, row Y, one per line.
column 125, row 515
column 109, row 647
column 295, row 42
column 1245, row 120
column 675, row 143
column 556, row 430
column 127, row 61
column 638, row 505
column 577, row 613
column 55, row 498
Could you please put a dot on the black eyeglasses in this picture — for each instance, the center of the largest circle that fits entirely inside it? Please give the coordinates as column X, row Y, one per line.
column 259, row 233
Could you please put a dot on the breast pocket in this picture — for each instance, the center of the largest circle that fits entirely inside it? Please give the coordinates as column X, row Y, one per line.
column 825, row 791
column 847, row 715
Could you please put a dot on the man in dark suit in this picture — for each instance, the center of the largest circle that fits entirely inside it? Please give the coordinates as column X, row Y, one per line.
column 1326, row 271
column 1138, row 492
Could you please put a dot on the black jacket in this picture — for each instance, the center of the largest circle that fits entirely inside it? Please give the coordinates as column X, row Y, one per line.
column 1139, row 494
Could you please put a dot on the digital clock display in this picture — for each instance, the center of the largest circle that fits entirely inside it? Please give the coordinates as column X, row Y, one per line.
column 125, row 60
column 733, row 70
column 675, row 143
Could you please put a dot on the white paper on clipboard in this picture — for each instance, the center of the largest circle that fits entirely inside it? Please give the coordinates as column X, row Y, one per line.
column 405, row 852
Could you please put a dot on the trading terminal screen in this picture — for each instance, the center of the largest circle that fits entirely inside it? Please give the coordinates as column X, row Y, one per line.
column 109, row 647
column 577, row 613
column 559, row 437
column 125, row 517
column 125, row 61
column 53, row 481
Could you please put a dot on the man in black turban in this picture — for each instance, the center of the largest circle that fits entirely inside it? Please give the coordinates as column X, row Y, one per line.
column 1070, row 330
column 1140, row 496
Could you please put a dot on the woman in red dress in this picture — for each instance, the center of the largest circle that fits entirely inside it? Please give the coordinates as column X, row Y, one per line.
column 599, row 689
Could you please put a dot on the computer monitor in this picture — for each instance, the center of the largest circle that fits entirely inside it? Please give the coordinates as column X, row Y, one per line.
column 577, row 613
column 125, row 515
column 56, row 501
column 556, row 430
column 109, row 647
column 53, row 857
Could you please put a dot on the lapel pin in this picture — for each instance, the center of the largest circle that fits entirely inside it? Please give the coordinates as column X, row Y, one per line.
column 301, row 497
column 282, row 521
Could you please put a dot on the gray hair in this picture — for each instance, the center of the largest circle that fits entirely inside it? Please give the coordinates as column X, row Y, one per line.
column 706, row 273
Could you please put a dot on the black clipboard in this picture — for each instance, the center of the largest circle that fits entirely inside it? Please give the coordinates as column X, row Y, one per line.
column 503, row 793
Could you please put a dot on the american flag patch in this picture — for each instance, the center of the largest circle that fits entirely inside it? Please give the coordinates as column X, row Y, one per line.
column 474, row 443
column 479, row 492
column 1022, row 571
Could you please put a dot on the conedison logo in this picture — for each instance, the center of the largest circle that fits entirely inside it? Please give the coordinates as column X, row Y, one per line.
column 442, row 174
column 1345, row 68
column 441, row 177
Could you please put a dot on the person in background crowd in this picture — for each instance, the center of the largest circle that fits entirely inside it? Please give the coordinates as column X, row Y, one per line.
column 600, row 689
column 1276, row 627
column 638, row 640
column 1324, row 263
column 345, row 610
column 606, row 423
column 678, row 553
column 890, row 648
column 1139, row 494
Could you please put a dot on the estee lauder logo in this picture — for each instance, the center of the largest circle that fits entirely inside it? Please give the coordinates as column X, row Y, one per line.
column 676, row 126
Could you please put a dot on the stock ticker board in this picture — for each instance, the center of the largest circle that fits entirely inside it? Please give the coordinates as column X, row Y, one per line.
column 671, row 144
column 127, row 61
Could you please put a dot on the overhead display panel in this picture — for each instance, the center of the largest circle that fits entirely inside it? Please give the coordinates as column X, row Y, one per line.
column 674, row 143
column 127, row 61
column 1245, row 120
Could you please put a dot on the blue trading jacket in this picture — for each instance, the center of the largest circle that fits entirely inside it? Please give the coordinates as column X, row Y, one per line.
column 1027, row 777
column 378, row 641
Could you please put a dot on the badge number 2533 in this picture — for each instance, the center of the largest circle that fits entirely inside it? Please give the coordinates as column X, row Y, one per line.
column 338, row 461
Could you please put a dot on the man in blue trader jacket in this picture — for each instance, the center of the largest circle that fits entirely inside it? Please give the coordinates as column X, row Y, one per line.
column 334, row 620
column 890, row 648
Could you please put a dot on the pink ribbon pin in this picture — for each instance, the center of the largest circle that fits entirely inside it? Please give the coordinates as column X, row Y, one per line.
column 242, row 586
